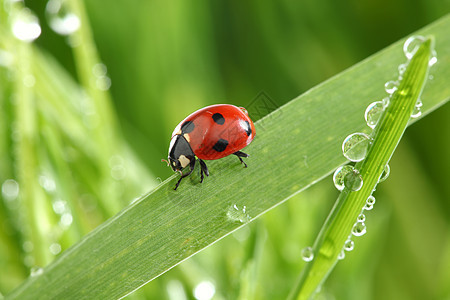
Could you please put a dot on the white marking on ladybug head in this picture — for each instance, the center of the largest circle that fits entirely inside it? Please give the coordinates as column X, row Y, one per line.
column 187, row 137
column 184, row 161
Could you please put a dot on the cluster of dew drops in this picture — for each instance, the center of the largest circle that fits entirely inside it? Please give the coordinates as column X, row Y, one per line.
column 25, row 26
column 355, row 147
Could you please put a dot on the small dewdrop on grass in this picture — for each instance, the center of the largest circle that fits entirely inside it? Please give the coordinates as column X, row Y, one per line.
column 373, row 113
column 391, row 87
column 359, row 229
column 355, row 146
column 385, row 174
column 307, row 254
column 349, row 245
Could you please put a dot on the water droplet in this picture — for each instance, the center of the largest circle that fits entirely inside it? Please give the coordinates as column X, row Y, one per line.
column 433, row 58
column 417, row 112
column 339, row 174
column 205, row 290
column 419, row 103
column 59, row 206
column 412, row 44
column 307, row 254
column 55, row 248
column 341, row 255
column 373, row 113
column 36, row 271
column 370, row 200
column 10, row 189
column 353, row 180
column 369, row 203
column 103, row 83
column 26, row 26
column 60, row 18
column 355, row 146
column 359, row 229
column 347, row 176
column 47, row 183
column 27, row 246
column 361, row 218
column 99, row 70
column 386, row 101
column 385, row 174
column 391, row 86
column 401, row 69
column 236, row 214
column 349, row 245
column 66, row 219
column 118, row 172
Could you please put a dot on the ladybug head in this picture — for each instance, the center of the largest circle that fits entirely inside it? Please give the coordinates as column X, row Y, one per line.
column 180, row 153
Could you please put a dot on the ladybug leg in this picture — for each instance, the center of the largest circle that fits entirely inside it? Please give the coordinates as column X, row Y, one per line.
column 203, row 170
column 240, row 154
column 191, row 168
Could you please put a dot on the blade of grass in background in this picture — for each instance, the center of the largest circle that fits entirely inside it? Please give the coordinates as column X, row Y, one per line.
column 295, row 147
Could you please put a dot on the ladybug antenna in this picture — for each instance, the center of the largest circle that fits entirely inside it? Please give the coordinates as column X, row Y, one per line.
column 164, row 160
column 179, row 171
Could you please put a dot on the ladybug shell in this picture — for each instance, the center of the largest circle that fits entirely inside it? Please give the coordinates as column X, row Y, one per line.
column 217, row 131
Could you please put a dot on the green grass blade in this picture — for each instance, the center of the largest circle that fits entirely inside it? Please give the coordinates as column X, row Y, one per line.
column 294, row 147
column 349, row 205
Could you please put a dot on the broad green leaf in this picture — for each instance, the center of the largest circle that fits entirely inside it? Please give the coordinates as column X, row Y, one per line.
column 295, row 146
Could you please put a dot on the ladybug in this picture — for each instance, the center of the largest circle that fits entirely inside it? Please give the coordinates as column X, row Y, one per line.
column 210, row 133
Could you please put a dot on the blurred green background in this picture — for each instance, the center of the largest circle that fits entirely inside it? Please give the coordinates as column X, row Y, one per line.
column 166, row 59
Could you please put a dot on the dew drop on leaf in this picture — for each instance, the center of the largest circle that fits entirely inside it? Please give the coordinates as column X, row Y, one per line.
column 353, row 180
column 355, row 146
column 36, row 271
column 373, row 113
column 369, row 203
column 359, row 229
column 391, row 87
column 349, row 245
column 237, row 214
column 361, row 218
column 385, row 174
column 339, row 174
column 412, row 44
column 307, row 254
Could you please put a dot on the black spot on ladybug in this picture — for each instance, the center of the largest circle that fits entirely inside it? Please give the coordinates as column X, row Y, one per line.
column 248, row 130
column 221, row 145
column 187, row 127
column 218, row 118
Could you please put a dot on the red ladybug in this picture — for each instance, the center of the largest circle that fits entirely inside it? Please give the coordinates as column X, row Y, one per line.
column 210, row 133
